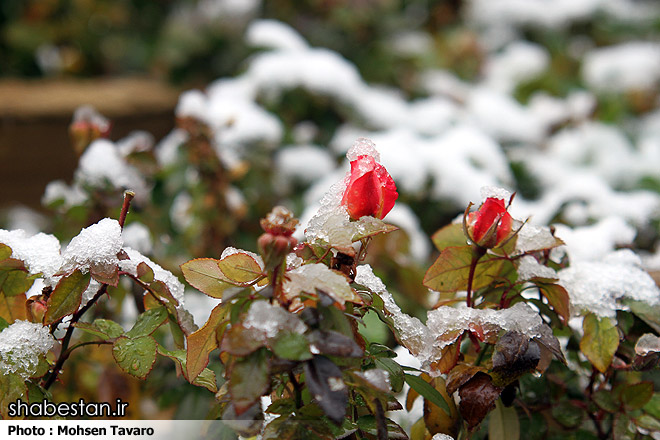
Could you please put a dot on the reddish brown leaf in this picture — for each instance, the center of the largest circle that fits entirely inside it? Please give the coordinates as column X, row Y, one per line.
column 478, row 397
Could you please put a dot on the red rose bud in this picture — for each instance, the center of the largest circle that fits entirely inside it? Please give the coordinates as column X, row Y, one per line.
column 370, row 190
column 490, row 225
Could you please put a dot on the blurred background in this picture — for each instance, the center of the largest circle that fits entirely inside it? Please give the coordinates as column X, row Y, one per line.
column 213, row 111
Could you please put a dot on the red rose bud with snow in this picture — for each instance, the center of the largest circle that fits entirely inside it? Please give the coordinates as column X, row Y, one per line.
column 490, row 225
column 370, row 190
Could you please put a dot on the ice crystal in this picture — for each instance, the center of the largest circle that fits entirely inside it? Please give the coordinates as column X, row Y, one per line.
column 363, row 147
column 311, row 277
column 647, row 343
column 378, row 378
column 229, row 250
column 533, row 238
column 445, row 324
column 270, row 319
column 495, row 193
column 21, row 346
column 529, row 267
column 598, row 286
column 94, row 247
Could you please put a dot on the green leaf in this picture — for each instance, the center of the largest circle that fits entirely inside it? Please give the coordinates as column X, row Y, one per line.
column 11, row 388
column 648, row 422
column 135, row 356
column 503, row 423
column 145, row 273
column 202, row 342
column 5, row 251
column 290, row 345
column 650, row 314
column 110, row 328
column 394, row 370
column 249, row 380
column 606, row 401
column 623, row 428
column 567, row 414
column 205, row 379
column 148, row 322
column 282, row 406
column 450, row 271
column 14, row 278
column 3, row 324
column 600, row 341
column 451, row 235
column 427, row 391
column 91, row 329
column 636, row 396
column 205, row 275
column 369, row 425
column 653, row 406
column 558, row 298
column 240, row 268
column 66, row 297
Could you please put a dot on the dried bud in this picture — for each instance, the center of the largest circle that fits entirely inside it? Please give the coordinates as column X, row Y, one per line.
column 87, row 126
column 279, row 221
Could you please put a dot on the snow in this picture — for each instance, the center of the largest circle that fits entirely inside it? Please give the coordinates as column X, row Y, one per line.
column 175, row 286
column 304, row 162
column 494, row 192
column 22, row 344
column 516, row 63
column 137, row 236
column 39, row 252
column 444, row 324
column 647, row 343
column 529, row 267
column 102, row 164
column 271, row 319
column 58, row 190
column 598, row 286
column 624, row 67
column 274, row 34
column 363, row 147
column 310, row 277
column 590, row 243
column 95, row 247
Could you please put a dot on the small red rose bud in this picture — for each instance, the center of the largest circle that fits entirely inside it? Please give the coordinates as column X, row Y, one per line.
column 490, row 225
column 87, row 126
column 370, row 190
column 36, row 309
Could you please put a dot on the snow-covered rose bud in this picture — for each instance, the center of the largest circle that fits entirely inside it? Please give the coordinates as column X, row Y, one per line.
column 370, row 190
column 490, row 225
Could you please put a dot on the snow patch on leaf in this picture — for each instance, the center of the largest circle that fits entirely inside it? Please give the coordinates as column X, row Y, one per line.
column 21, row 346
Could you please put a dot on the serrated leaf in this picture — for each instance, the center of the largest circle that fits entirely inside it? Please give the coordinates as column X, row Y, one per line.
column 369, row 425
column 205, row 379
column 65, row 298
column 428, row 391
column 148, row 322
column 635, row 396
column 249, row 380
column 451, row 235
column 600, row 341
column 110, row 328
column 558, row 298
column 325, row 383
column 240, row 268
column 202, row 342
column 205, row 275
column 145, row 273
column 290, row 345
column 503, row 423
column 450, row 271
column 135, row 356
